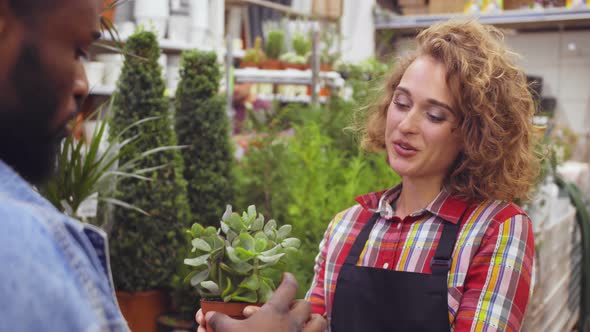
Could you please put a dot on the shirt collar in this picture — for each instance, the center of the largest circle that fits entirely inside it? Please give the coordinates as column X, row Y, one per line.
column 444, row 204
column 15, row 186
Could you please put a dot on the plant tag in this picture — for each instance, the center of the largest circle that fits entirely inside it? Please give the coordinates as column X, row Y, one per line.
column 89, row 207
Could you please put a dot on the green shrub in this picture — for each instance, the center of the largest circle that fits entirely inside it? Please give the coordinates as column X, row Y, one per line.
column 145, row 250
column 274, row 44
column 301, row 44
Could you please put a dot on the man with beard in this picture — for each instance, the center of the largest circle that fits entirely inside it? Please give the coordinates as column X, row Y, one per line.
column 54, row 273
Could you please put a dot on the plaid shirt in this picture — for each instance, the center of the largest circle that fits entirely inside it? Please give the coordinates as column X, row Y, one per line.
column 490, row 277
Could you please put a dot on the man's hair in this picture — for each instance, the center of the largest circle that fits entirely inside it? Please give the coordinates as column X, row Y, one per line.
column 494, row 109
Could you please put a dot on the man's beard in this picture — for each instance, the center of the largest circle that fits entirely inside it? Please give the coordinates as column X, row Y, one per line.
column 27, row 142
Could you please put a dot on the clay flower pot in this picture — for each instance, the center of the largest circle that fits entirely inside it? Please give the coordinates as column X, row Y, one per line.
column 300, row 66
column 272, row 64
column 248, row 64
column 232, row 309
column 141, row 310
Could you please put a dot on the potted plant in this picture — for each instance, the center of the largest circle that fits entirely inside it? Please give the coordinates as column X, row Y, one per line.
column 145, row 250
column 240, row 262
column 299, row 58
column 253, row 57
column 273, row 49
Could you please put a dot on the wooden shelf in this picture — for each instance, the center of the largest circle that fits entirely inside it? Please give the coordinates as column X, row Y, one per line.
column 526, row 19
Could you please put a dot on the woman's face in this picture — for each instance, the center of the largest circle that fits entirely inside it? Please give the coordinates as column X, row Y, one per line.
column 419, row 136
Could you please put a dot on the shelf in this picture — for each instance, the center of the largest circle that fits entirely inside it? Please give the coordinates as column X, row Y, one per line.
column 108, row 90
column 286, row 10
column 292, row 99
column 296, row 77
column 549, row 18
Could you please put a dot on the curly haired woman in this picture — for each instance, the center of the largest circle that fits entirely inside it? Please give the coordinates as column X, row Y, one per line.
column 448, row 248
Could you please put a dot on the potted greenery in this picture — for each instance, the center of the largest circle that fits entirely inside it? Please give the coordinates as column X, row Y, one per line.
column 240, row 262
column 299, row 58
column 253, row 57
column 145, row 250
column 273, row 49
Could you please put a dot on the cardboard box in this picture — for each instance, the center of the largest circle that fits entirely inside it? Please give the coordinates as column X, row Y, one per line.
column 446, row 6
column 412, row 3
column 327, row 8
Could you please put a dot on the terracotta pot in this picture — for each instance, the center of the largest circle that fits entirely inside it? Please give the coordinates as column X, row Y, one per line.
column 272, row 64
column 295, row 66
column 110, row 13
column 141, row 310
column 248, row 64
column 325, row 67
column 325, row 92
column 232, row 309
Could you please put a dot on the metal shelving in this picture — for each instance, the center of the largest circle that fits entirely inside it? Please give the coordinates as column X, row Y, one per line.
column 526, row 19
column 296, row 77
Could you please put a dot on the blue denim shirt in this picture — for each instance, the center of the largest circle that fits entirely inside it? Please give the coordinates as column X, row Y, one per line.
column 54, row 271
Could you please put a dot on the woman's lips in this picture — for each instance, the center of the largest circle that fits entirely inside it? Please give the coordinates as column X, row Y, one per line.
column 404, row 150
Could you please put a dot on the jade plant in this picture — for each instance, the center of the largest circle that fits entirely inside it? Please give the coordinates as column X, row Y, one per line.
column 240, row 260
column 274, row 44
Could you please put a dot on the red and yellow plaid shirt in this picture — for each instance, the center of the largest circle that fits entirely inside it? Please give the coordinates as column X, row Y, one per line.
column 490, row 277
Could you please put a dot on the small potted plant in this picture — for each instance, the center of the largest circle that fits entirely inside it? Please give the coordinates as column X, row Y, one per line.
column 253, row 57
column 299, row 58
column 273, row 50
column 240, row 262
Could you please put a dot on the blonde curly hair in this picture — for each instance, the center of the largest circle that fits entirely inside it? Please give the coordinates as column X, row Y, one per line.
column 494, row 111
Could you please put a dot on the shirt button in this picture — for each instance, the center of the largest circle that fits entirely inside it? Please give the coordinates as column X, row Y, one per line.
column 386, row 265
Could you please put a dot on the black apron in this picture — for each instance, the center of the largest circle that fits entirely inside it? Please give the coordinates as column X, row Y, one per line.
column 374, row 299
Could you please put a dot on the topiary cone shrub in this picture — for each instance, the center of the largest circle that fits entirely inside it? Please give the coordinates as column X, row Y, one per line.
column 145, row 250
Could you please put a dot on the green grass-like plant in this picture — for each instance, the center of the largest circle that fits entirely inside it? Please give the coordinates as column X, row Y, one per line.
column 274, row 44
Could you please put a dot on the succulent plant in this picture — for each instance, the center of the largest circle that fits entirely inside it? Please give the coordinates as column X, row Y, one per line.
column 237, row 261
column 255, row 55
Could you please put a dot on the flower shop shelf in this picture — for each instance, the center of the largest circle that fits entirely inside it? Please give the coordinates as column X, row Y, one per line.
column 292, row 99
column 108, row 90
column 300, row 77
column 526, row 19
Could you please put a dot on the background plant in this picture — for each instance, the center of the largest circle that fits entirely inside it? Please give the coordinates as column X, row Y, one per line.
column 241, row 260
column 274, row 44
column 255, row 54
column 144, row 250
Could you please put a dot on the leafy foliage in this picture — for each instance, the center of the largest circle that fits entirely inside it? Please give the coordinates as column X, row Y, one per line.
column 144, row 250
column 307, row 178
column 241, row 260
column 255, row 54
column 274, row 44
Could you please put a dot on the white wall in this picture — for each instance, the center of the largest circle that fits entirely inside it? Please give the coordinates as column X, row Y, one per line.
column 357, row 30
column 563, row 60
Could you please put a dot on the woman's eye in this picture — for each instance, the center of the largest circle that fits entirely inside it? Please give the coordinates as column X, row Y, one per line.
column 400, row 105
column 435, row 118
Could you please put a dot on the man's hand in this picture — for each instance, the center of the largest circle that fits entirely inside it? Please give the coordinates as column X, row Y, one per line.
column 279, row 314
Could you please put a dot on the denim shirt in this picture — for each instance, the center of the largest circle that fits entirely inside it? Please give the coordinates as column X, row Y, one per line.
column 54, row 271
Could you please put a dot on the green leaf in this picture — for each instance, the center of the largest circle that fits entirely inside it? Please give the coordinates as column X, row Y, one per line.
column 227, row 213
column 198, row 261
column 241, row 267
column 270, row 225
column 231, row 253
column 210, row 286
column 235, row 223
column 291, row 242
column 243, row 295
column 251, row 211
column 201, row 245
column 251, row 283
column 244, row 254
column 210, row 231
column 224, row 227
column 258, row 223
column 199, row 277
column 284, row 231
column 260, row 245
column 265, row 292
column 272, row 251
column 247, row 241
column 271, row 259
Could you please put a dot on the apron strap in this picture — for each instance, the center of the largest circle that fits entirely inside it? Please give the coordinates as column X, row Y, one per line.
column 361, row 239
column 441, row 262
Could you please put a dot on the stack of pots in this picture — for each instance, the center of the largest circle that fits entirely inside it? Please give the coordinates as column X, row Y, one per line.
column 153, row 15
